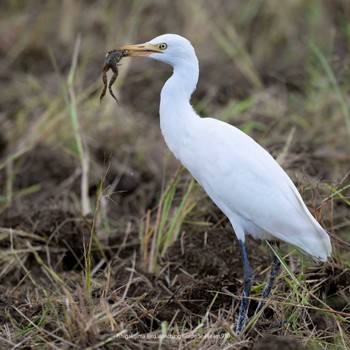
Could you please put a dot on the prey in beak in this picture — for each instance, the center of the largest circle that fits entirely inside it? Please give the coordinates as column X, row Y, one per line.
column 111, row 62
column 113, row 57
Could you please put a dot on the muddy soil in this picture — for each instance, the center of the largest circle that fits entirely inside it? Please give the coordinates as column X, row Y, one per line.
column 200, row 271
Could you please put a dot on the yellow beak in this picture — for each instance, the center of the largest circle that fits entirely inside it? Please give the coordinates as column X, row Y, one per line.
column 139, row 50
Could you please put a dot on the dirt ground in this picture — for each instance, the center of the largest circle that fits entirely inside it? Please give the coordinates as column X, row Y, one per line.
column 74, row 280
column 201, row 271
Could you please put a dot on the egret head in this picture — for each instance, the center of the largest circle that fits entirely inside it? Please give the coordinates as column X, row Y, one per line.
column 172, row 49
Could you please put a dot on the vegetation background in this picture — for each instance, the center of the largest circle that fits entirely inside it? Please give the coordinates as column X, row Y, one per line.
column 105, row 242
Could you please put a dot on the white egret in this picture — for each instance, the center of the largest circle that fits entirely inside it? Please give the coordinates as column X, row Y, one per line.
column 240, row 176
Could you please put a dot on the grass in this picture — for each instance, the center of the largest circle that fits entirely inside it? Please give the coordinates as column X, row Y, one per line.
column 83, row 153
column 104, row 242
column 158, row 234
column 334, row 84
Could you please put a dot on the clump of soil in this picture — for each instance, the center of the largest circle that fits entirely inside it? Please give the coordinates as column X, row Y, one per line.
column 273, row 342
column 335, row 286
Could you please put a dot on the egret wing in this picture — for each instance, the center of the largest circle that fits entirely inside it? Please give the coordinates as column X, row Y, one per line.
column 246, row 182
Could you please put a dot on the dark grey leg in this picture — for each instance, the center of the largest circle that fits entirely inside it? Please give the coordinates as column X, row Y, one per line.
column 247, row 286
column 275, row 270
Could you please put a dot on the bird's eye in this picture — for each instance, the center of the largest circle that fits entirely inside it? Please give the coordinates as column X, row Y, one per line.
column 163, row 46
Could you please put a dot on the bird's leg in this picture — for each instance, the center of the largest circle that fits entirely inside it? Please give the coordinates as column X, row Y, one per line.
column 247, row 285
column 275, row 270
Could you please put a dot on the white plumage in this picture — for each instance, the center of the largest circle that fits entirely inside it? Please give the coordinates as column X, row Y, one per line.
column 242, row 178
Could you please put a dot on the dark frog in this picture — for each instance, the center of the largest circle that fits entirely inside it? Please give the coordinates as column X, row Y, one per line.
column 111, row 63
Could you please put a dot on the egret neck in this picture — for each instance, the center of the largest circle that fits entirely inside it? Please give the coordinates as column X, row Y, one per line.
column 177, row 117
